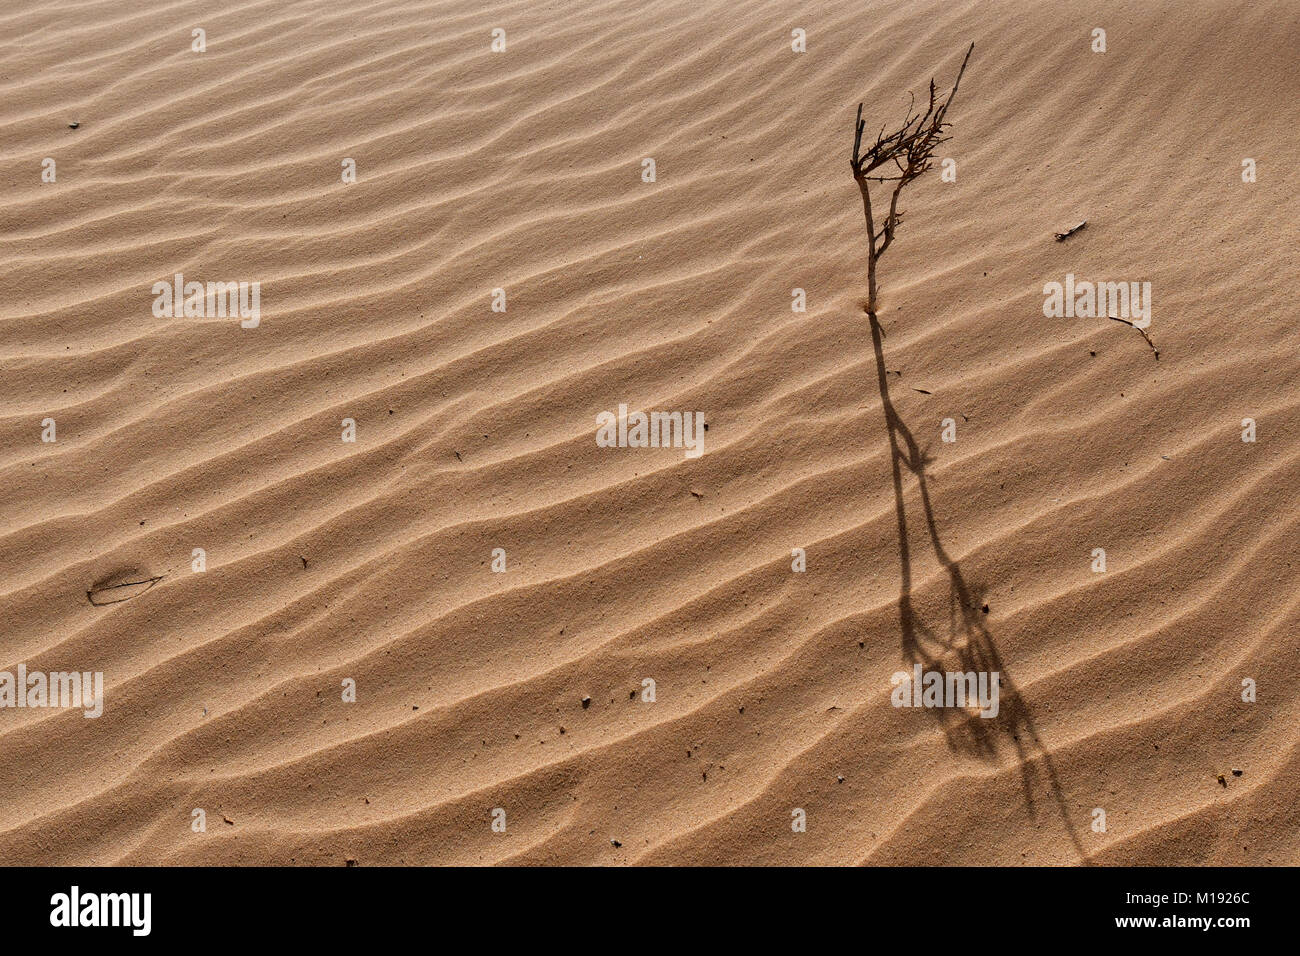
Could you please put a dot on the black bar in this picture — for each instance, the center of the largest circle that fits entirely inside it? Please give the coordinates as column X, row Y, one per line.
column 584, row 908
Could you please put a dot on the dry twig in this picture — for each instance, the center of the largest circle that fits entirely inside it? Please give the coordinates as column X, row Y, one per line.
column 1116, row 318
column 117, row 593
column 909, row 150
column 1062, row 236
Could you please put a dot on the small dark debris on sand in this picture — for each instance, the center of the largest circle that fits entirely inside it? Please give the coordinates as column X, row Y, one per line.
column 1062, row 236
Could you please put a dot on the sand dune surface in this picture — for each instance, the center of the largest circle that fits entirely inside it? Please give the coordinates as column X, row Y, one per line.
column 565, row 653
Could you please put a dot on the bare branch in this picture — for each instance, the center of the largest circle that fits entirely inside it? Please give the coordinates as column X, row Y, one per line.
column 911, row 149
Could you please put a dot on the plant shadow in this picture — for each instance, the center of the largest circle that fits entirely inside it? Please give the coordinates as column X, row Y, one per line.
column 965, row 644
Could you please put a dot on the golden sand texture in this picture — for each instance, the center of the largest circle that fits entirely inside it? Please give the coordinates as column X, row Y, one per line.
column 370, row 561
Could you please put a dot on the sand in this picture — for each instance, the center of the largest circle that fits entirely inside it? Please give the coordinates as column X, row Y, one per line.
column 502, row 716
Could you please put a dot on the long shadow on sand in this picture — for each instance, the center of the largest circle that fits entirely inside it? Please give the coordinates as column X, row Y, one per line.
column 967, row 642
